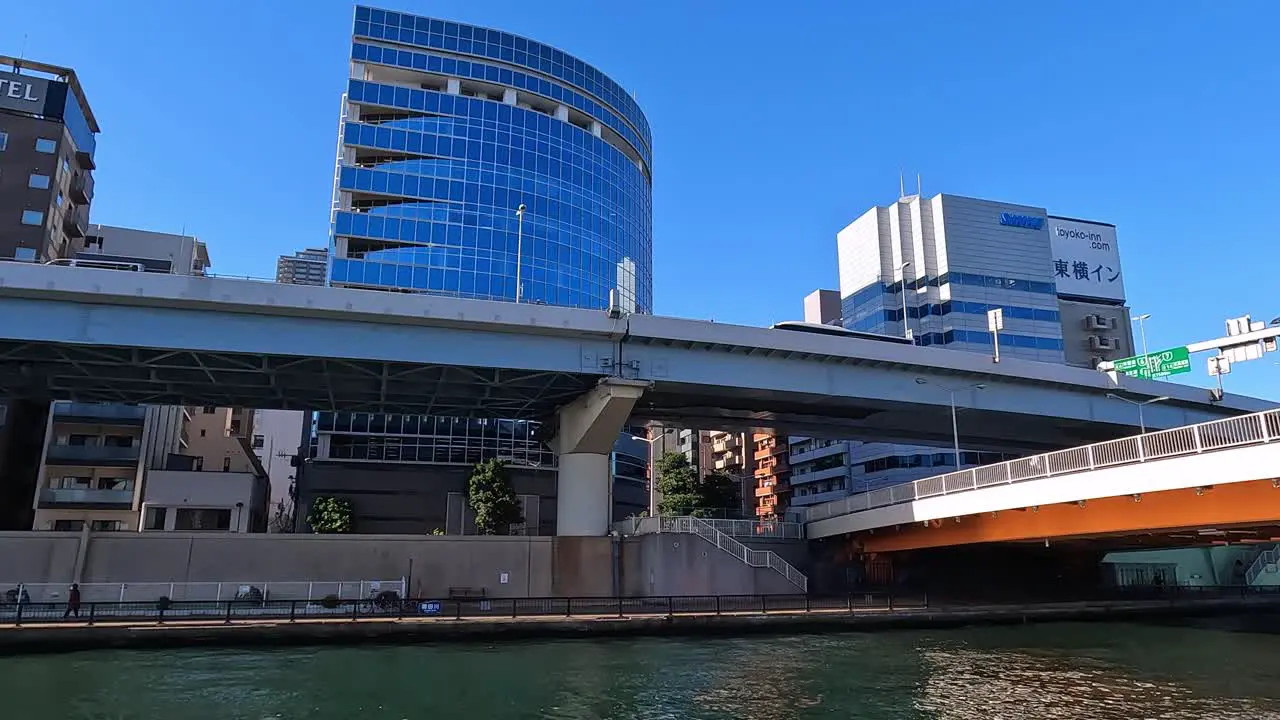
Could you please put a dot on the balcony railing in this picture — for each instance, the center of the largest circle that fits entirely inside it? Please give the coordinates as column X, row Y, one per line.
column 816, row 498
column 82, row 188
column 72, row 223
column 85, row 496
column 100, row 411
column 93, row 454
column 800, row 478
column 1223, row 434
column 723, row 444
column 814, row 453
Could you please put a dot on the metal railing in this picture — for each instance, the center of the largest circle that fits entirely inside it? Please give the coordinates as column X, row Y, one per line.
column 98, row 411
column 150, row 592
column 759, row 529
column 1223, row 434
column 705, row 530
column 98, row 496
column 1267, row 561
column 762, row 529
column 94, row 453
column 394, row 607
column 391, row 607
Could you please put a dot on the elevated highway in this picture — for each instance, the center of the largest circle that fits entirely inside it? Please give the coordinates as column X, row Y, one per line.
column 1214, row 482
column 103, row 335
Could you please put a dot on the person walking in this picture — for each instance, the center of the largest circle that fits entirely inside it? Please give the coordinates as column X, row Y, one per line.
column 73, row 601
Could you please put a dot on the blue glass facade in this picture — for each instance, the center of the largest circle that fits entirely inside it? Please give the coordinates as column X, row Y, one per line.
column 448, row 129
column 872, row 308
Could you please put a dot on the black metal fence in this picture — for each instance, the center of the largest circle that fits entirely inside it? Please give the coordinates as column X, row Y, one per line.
column 388, row 608
column 231, row 611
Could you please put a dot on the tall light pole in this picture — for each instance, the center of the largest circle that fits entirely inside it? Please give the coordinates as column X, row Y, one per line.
column 955, row 428
column 519, row 247
column 902, row 275
column 653, row 481
column 1142, row 422
column 1142, row 329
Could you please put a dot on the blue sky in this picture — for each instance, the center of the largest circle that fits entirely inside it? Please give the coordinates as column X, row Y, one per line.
column 774, row 125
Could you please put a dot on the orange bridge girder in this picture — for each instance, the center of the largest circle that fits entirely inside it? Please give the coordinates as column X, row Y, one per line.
column 1244, row 503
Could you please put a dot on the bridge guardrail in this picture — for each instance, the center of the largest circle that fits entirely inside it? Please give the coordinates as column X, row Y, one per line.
column 1254, row 429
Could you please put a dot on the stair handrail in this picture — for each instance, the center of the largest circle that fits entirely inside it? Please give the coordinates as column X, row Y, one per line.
column 1266, row 558
column 689, row 525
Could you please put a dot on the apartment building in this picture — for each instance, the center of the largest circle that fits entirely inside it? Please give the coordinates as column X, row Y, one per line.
column 218, row 484
column 304, row 267
column 111, row 467
column 92, row 467
column 733, row 454
column 772, row 474
column 48, row 138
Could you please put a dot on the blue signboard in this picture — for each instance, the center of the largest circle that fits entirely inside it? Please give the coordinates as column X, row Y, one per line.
column 1030, row 222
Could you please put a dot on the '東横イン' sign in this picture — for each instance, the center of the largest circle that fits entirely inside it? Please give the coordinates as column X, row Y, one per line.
column 1156, row 365
column 1086, row 259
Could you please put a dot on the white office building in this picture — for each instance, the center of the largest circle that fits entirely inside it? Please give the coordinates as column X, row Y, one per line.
column 931, row 269
column 153, row 251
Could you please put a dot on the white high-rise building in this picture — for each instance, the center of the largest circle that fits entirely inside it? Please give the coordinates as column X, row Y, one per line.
column 932, row 268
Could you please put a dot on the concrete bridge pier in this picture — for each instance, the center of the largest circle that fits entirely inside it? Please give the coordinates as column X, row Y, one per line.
column 588, row 428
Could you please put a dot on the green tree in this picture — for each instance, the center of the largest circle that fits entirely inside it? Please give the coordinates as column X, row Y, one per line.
column 721, row 490
column 330, row 515
column 684, row 493
column 493, row 499
column 678, row 483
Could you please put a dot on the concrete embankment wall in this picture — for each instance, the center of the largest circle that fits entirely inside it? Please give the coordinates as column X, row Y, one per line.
column 530, row 566
column 502, row 566
column 657, row 565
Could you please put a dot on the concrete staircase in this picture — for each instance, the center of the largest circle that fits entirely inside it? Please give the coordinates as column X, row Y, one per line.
column 697, row 526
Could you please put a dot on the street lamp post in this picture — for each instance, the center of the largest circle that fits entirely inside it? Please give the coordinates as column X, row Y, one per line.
column 1142, row 422
column 955, row 427
column 653, row 481
column 902, row 275
column 1142, row 329
column 519, row 248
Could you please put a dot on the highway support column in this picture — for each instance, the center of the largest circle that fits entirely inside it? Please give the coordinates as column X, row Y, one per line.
column 588, row 429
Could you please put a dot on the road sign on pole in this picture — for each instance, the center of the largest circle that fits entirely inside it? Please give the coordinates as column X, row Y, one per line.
column 995, row 323
column 1156, row 365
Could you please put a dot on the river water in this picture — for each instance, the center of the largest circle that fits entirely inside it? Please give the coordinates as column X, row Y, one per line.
column 1058, row 672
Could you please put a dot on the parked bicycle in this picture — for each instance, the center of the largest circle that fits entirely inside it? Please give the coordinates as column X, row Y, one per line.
column 381, row 601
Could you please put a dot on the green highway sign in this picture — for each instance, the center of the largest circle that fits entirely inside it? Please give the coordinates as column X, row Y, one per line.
column 1153, row 366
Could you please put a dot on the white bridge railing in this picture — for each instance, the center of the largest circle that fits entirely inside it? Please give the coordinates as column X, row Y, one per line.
column 1233, row 432
column 203, row 591
column 705, row 530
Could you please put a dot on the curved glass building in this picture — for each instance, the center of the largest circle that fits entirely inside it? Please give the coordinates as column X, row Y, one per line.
column 448, row 129
column 479, row 164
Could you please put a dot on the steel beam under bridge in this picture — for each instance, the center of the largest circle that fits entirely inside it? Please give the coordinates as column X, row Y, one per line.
column 87, row 334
